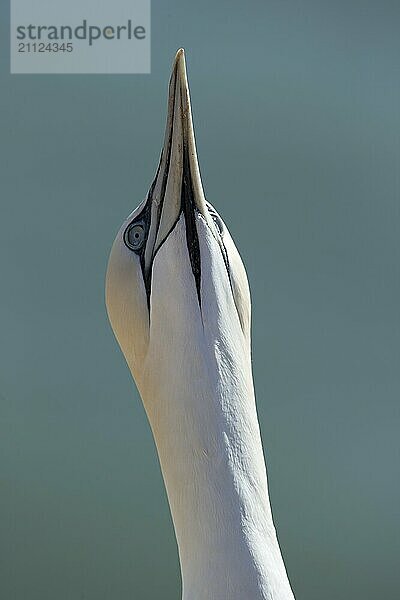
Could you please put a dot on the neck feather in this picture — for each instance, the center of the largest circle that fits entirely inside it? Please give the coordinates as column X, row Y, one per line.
column 208, row 440
column 197, row 389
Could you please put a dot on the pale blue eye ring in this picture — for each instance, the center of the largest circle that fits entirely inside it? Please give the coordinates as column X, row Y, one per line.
column 135, row 236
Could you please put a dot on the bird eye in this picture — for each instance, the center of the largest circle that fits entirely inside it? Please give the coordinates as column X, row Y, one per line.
column 134, row 237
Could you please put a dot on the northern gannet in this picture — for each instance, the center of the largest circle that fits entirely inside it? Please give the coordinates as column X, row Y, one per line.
column 179, row 303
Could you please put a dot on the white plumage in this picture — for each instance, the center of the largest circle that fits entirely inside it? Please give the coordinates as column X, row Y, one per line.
column 179, row 304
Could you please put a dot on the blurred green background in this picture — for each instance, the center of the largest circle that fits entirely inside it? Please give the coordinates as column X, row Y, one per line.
column 296, row 108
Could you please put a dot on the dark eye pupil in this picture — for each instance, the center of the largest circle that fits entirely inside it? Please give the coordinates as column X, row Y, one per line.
column 134, row 236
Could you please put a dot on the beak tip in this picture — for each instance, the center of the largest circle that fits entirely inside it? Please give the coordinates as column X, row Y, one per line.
column 179, row 62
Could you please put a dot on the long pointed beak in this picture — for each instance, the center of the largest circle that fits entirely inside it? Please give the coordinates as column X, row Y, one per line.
column 177, row 186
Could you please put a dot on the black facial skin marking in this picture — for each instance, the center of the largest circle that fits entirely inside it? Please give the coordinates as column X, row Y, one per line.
column 144, row 219
column 146, row 213
column 189, row 210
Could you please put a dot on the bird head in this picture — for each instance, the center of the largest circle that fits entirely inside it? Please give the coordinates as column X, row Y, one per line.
column 174, row 274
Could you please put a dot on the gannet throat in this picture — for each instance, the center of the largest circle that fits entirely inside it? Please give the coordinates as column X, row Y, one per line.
column 179, row 304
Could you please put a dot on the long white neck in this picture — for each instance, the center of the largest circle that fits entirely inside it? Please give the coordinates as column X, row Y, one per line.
column 215, row 477
column 198, row 392
column 197, row 389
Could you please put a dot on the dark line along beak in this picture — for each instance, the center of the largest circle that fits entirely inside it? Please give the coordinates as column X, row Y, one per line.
column 177, row 187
